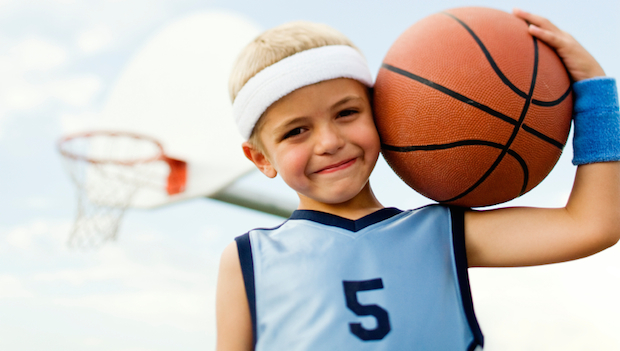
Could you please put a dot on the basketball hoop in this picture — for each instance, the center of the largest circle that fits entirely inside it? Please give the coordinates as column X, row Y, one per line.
column 109, row 169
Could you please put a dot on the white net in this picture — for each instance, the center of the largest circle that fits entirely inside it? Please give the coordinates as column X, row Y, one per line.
column 108, row 170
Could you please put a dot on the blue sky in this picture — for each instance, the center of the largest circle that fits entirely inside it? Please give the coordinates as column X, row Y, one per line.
column 153, row 289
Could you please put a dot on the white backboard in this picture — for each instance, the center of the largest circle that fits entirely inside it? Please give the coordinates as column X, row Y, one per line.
column 175, row 89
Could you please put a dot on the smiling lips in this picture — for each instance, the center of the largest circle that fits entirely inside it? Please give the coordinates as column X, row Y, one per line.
column 337, row 166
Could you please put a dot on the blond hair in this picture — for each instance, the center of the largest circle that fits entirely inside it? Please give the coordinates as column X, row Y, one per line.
column 276, row 44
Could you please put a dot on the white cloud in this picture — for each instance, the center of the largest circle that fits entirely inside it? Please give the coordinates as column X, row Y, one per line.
column 561, row 198
column 114, row 265
column 181, row 309
column 36, row 236
column 76, row 91
column 20, row 238
column 11, row 287
column 95, row 40
column 153, row 290
column 27, row 83
column 37, row 54
column 149, row 287
column 567, row 306
column 18, row 94
column 6, row 3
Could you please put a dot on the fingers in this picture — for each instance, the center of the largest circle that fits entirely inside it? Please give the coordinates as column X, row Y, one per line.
column 536, row 20
column 543, row 29
column 578, row 61
column 552, row 38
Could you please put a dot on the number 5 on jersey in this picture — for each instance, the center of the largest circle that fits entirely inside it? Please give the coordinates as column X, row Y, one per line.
column 383, row 321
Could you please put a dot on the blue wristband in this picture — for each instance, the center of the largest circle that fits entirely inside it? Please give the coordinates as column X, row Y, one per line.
column 597, row 121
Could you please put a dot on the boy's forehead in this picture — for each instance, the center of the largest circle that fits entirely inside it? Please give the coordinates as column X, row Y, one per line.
column 317, row 97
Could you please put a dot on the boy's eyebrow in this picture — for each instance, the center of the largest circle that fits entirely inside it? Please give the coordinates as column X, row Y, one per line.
column 344, row 101
column 282, row 128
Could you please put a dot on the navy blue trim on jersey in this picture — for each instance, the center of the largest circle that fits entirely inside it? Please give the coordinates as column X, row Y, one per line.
column 344, row 223
column 247, row 269
column 457, row 215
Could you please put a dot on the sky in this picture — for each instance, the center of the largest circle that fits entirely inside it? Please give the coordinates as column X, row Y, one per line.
column 153, row 288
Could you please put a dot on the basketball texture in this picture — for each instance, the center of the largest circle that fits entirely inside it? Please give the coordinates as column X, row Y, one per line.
column 471, row 109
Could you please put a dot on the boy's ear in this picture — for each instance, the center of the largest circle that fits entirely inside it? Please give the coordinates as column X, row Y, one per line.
column 259, row 159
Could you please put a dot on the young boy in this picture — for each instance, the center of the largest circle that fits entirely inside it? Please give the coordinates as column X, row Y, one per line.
column 345, row 273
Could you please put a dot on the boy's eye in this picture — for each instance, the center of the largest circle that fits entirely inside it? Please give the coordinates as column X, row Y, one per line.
column 347, row 112
column 292, row 133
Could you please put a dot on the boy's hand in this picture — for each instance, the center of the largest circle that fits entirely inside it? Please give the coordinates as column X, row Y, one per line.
column 579, row 63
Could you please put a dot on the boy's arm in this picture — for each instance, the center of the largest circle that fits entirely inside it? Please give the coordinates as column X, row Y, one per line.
column 234, row 325
column 589, row 223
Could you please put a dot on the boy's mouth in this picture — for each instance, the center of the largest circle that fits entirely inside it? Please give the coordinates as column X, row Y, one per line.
column 337, row 166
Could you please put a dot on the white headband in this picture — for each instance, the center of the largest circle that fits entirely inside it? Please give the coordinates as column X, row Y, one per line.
column 294, row 72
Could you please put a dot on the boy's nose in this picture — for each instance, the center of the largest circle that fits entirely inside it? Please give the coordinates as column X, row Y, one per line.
column 329, row 140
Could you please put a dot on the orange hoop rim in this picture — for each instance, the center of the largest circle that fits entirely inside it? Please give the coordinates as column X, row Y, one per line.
column 68, row 154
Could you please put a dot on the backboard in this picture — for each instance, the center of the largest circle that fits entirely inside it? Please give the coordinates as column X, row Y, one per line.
column 174, row 90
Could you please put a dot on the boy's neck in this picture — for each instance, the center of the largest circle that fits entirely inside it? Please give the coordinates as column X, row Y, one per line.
column 364, row 203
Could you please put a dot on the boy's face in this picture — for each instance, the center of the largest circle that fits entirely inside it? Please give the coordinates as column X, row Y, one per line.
column 321, row 139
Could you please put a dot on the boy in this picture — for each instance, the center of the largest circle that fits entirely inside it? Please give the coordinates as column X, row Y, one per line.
column 346, row 273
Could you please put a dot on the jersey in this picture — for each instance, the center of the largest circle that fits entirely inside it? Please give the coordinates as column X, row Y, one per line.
column 392, row 280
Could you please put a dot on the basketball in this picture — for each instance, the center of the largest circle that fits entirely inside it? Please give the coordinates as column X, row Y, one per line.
column 470, row 108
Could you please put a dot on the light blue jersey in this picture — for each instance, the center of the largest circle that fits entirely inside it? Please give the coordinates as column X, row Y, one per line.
column 393, row 280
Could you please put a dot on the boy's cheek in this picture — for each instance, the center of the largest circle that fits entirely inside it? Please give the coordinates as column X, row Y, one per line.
column 293, row 165
column 371, row 139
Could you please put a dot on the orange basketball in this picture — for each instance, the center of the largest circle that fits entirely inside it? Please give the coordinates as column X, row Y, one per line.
column 471, row 109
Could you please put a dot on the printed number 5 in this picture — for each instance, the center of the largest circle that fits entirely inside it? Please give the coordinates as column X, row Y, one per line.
column 383, row 321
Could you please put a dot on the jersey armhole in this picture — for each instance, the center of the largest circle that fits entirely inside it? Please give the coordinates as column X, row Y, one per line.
column 457, row 215
column 244, row 249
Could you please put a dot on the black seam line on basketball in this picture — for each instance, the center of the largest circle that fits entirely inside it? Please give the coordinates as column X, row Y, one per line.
column 433, row 147
column 450, row 93
column 486, row 52
column 554, row 102
column 500, row 74
column 470, row 102
column 459, row 143
column 540, row 135
column 515, row 130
